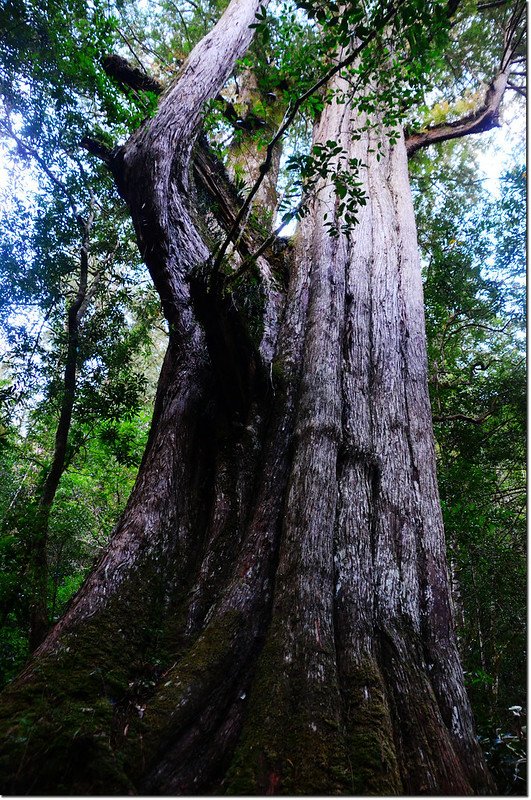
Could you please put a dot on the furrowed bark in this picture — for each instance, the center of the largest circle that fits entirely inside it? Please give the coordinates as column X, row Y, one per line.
column 376, row 702
column 272, row 615
column 152, row 174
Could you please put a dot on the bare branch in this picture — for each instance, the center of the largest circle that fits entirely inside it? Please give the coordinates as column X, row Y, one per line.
column 126, row 75
column 481, row 326
column 463, row 417
column 97, row 149
column 494, row 4
column 518, row 89
column 210, row 174
column 452, row 6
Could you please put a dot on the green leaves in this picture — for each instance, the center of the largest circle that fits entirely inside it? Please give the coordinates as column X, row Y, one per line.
column 473, row 244
column 262, row 19
column 326, row 164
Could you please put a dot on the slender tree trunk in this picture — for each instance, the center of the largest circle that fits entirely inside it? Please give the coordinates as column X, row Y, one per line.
column 272, row 615
column 39, row 539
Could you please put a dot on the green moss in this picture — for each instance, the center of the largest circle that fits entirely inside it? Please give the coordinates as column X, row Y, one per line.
column 297, row 742
column 181, row 694
column 55, row 726
column 292, row 741
column 58, row 721
column 278, row 374
column 369, row 734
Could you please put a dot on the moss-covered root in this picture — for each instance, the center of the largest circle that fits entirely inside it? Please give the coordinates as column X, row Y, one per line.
column 292, row 741
column 56, row 727
column 369, row 730
column 160, row 746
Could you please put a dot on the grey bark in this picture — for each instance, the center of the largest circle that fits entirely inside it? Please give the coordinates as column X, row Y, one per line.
column 273, row 612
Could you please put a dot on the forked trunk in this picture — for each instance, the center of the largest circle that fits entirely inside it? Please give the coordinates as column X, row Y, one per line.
column 273, row 613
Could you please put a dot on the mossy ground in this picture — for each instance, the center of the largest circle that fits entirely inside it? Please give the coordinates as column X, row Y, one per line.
column 59, row 719
column 56, row 724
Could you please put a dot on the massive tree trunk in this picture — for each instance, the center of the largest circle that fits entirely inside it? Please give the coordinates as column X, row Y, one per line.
column 272, row 615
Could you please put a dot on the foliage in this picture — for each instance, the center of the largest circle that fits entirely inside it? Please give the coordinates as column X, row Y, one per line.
column 330, row 163
column 474, row 268
column 506, row 754
column 92, row 493
column 60, row 204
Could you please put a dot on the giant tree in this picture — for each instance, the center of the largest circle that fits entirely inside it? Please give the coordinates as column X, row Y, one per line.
column 273, row 612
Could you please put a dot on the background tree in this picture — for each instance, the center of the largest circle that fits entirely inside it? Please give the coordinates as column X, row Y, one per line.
column 85, row 318
column 280, row 565
column 476, row 339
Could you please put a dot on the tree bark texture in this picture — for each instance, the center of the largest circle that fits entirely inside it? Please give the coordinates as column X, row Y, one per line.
column 272, row 615
column 245, row 153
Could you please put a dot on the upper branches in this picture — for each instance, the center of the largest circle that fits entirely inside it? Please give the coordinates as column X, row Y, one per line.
column 486, row 116
column 290, row 115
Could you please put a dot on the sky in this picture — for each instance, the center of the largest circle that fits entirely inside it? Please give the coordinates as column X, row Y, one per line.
column 502, row 144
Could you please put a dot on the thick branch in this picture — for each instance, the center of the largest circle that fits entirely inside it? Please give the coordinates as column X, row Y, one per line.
column 122, row 71
column 131, row 77
column 97, row 149
column 154, row 163
column 451, row 7
column 484, row 119
column 487, row 116
column 203, row 74
column 211, row 176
